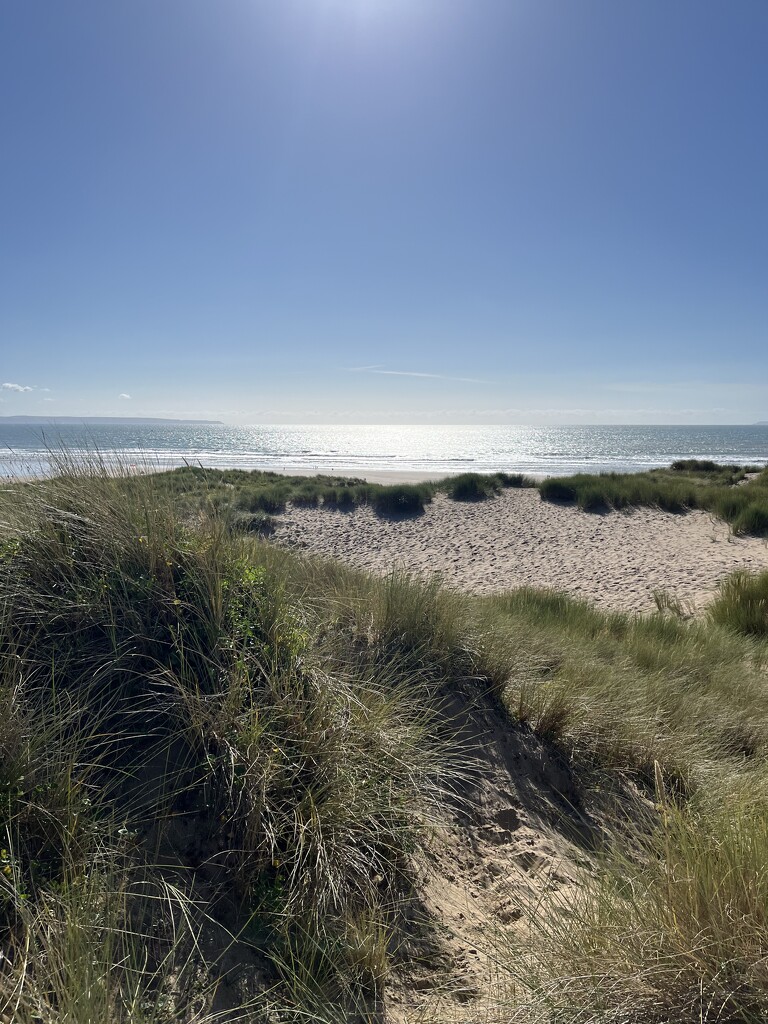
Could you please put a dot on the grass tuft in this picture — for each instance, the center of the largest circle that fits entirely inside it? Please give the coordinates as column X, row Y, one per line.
column 401, row 500
column 676, row 934
column 726, row 491
column 742, row 604
column 472, row 487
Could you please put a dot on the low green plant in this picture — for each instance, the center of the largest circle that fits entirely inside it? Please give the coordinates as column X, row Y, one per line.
column 307, row 497
column 697, row 466
column 270, row 499
column 752, row 519
column 340, row 497
column 252, row 522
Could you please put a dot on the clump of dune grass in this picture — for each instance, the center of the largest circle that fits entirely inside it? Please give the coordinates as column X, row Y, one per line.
column 674, row 933
column 401, row 499
column 753, row 519
column 347, row 496
column 251, row 522
column 726, row 491
column 234, row 494
column 625, row 691
column 558, row 489
column 514, row 480
column 619, row 490
column 472, row 487
column 222, row 491
column 697, row 466
column 478, row 486
column 669, row 927
column 183, row 671
column 742, row 603
column 306, row 496
column 264, row 499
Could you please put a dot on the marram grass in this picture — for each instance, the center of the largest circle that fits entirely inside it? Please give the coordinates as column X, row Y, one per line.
column 154, row 675
column 736, row 494
column 210, row 748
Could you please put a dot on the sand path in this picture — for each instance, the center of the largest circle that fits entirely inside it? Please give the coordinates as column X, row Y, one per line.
column 616, row 559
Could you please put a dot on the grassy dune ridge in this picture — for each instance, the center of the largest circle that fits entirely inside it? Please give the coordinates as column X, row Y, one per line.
column 217, row 760
column 736, row 494
column 250, row 500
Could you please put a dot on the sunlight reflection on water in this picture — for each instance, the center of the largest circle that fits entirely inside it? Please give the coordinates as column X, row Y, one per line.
column 354, row 449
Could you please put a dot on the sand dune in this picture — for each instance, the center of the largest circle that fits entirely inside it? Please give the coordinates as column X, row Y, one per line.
column 616, row 560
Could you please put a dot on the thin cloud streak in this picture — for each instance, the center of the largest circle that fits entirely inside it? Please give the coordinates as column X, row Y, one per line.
column 412, row 373
column 16, row 387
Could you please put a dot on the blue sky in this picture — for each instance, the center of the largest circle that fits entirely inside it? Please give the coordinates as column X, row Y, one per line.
column 385, row 210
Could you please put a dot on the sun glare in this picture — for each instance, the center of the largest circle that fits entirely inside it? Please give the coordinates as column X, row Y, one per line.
column 372, row 11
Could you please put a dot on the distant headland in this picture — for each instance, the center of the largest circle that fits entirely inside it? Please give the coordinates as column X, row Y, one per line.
column 107, row 421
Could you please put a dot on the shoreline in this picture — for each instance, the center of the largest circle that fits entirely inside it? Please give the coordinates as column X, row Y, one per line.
column 386, row 477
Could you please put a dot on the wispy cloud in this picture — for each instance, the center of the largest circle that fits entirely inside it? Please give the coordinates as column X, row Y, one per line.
column 378, row 369
column 16, row 387
column 123, row 395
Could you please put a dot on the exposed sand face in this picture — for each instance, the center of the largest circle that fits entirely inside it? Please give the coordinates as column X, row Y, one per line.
column 617, row 559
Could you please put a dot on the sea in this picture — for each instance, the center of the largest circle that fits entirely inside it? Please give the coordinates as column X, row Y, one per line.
column 27, row 449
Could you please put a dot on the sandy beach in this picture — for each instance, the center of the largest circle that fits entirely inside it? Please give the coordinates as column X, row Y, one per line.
column 616, row 559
